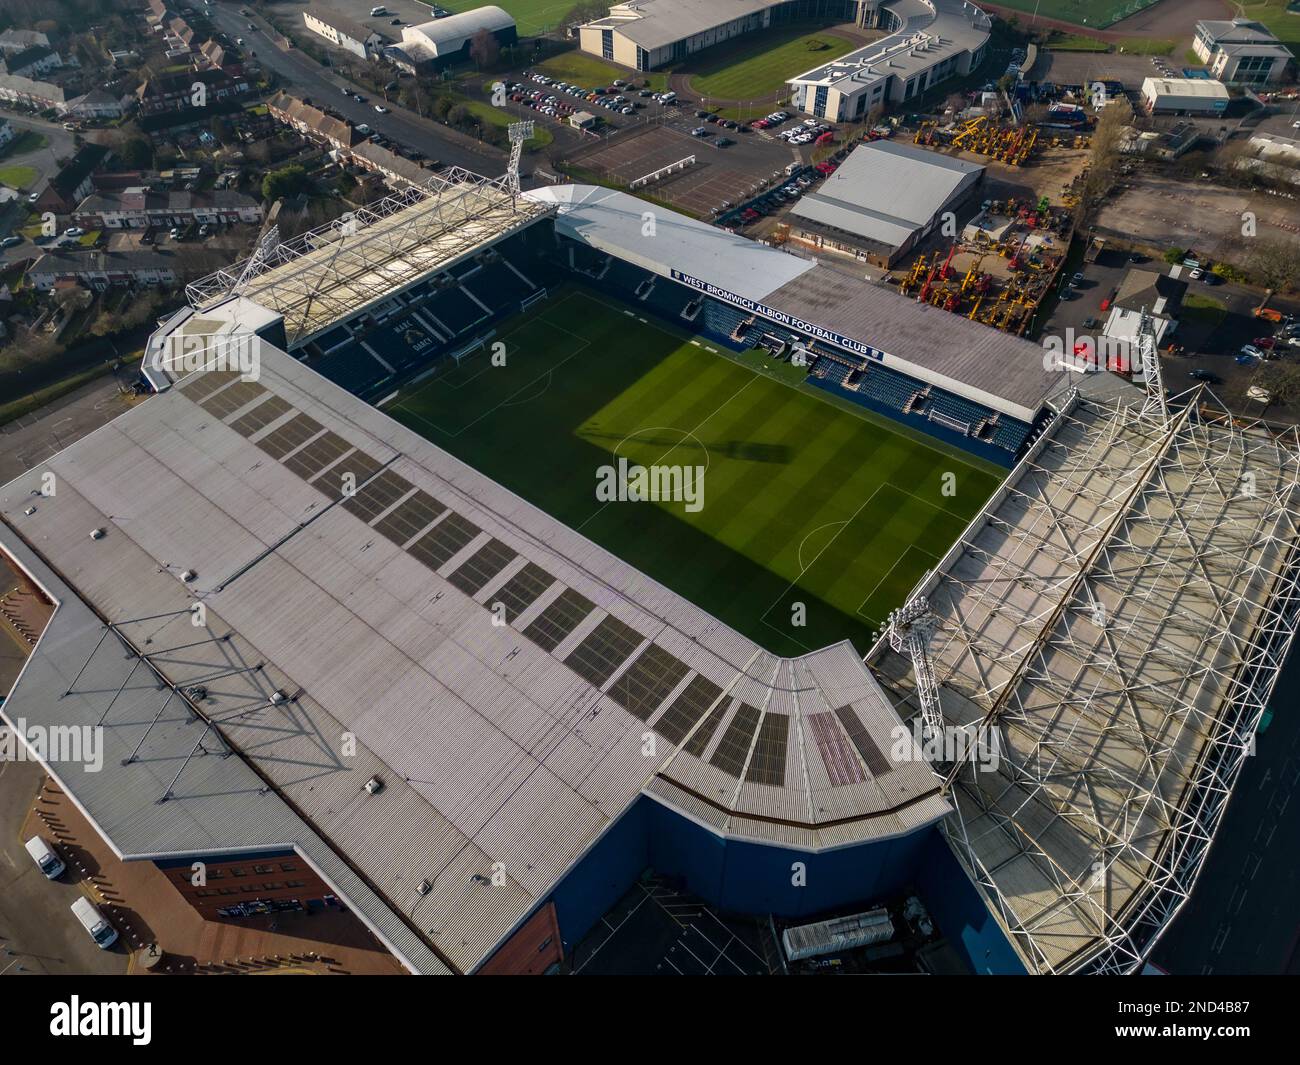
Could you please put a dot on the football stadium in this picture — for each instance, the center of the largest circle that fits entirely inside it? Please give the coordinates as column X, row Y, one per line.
column 369, row 596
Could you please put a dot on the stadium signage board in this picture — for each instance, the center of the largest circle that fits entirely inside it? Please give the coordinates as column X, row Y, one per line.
column 780, row 317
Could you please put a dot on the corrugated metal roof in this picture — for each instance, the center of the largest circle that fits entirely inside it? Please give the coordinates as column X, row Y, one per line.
column 886, row 192
column 153, row 746
column 658, row 23
column 982, row 364
column 501, row 765
column 661, row 240
column 932, row 345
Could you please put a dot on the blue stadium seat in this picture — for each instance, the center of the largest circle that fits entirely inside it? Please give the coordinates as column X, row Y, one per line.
column 452, row 308
column 351, row 367
column 499, row 287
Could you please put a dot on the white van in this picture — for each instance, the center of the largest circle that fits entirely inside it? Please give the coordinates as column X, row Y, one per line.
column 94, row 922
column 667, row 97
column 378, row 11
column 46, row 858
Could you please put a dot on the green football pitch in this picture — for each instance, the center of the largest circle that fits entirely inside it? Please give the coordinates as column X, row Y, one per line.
column 815, row 520
column 1095, row 14
column 531, row 16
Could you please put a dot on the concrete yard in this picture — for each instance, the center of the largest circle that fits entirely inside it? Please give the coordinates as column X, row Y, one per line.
column 1167, row 211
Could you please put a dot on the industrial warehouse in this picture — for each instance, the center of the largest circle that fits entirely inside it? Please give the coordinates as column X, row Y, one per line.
column 307, row 630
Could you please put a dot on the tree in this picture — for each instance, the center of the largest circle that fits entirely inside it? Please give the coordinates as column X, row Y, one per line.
column 136, row 152
column 442, row 106
column 1280, row 380
column 586, row 11
column 485, row 49
column 287, row 181
column 222, row 130
column 1275, row 263
column 1105, row 154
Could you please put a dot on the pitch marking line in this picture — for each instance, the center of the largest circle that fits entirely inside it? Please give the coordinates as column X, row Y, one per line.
column 884, row 577
column 844, row 524
column 466, row 381
column 813, row 561
column 799, row 553
column 513, row 399
column 708, row 458
column 685, row 433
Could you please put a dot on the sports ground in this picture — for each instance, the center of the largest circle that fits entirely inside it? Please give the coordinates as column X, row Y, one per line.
column 805, row 501
column 1095, row 14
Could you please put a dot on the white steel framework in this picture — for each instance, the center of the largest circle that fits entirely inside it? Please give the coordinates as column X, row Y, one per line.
column 1149, row 359
column 1113, row 623
column 330, row 273
column 518, row 132
column 911, row 628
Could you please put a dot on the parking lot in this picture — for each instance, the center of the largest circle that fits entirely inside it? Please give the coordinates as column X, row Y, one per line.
column 1084, row 68
column 731, row 165
column 1214, row 324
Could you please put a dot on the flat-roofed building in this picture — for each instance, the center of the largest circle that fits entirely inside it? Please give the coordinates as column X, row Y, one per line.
column 1184, row 96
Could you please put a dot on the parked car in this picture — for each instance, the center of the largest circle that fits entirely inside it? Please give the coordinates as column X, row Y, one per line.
column 1204, row 375
column 1267, row 343
column 723, row 142
column 700, row 131
column 1252, row 351
column 381, row 109
column 11, row 241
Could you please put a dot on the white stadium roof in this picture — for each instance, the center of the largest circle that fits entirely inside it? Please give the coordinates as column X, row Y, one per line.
column 449, row 35
column 653, row 237
column 518, row 744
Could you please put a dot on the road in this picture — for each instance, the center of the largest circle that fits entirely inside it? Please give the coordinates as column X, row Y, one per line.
column 28, row 441
column 305, row 76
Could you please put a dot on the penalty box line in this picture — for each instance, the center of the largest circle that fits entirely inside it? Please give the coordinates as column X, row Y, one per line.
column 405, row 404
